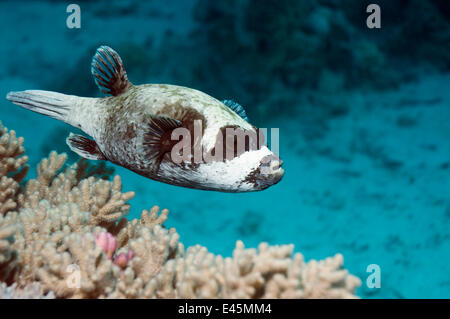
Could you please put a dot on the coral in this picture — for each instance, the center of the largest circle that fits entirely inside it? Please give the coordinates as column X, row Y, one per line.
column 65, row 236
column 268, row 272
column 100, row 197
column 13, row 168
column 7, row 255
column 327, row 279
column 122, row 259
column 12, row 159
column 127, row 229
column 153, row 248
column 32, row 290
column 82, row 271
column 107, row 242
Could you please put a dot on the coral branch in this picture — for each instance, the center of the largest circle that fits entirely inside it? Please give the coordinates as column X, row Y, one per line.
column 8, row 193
column 13, row 168
column 32, row 290
column 7, row 254
column 11, row 151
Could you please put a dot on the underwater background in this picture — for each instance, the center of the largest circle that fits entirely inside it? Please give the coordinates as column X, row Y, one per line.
column 364, row 118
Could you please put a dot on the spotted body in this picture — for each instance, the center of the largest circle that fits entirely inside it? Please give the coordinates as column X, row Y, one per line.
column 132, row 127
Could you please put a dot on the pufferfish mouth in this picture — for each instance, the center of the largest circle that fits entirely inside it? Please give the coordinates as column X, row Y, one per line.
column 276, row 164
column 278, row 172
column 271, row 165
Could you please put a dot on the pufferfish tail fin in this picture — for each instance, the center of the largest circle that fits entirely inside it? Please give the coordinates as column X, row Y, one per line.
column 56, row 105
column 109, row 72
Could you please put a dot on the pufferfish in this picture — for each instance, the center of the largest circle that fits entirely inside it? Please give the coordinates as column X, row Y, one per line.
column 133, row 128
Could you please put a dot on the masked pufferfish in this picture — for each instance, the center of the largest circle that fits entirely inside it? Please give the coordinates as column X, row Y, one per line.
column 131, row 129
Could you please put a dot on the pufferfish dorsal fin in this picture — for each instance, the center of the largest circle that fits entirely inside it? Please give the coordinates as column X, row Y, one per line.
column 84, row 147
column 157, row 139
column 236, row 107
column 109, row 72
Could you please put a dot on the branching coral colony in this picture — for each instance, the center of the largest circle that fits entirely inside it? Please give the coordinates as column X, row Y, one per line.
column 64, row 235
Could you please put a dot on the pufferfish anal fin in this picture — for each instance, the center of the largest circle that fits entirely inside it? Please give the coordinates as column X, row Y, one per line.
column 84, row 147
column 236, row 107
column 109, row 72
column 157, row 139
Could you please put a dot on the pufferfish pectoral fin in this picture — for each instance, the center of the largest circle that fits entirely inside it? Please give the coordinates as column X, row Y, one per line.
column 109, row 72
column 84, row 147
column 237, row 108
column 157, row 140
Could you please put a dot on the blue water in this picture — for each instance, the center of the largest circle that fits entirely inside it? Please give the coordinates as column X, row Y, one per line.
column 364, row 119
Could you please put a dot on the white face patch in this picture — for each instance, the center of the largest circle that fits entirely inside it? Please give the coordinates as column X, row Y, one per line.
column 228, row 176
column 234, row 172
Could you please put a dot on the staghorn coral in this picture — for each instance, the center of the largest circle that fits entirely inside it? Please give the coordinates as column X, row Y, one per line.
column 7, row 258
column 153, row 248
column 127, row 229
column 123, row 258
column 327, row 279
column 107, row 242
column 12, row 159
column 32, row 290
column 100, row 197
column 13, row 168
column 66, row 236
column 269, row 272
column 8, row 191
column 83, row 271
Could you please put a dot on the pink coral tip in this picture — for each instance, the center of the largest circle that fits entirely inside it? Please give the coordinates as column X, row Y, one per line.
column 121, row 260
column 107, row 242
